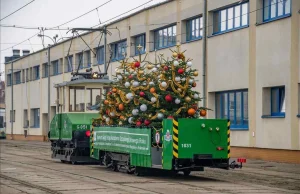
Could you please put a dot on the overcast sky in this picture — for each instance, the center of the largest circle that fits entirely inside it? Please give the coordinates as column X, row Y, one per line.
column 50, row 13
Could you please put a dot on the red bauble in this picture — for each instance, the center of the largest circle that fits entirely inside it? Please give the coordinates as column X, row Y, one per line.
column 138, row 123
column 166, row 68
column 109, row 93
column 168, row 98
column 142, row 94
column 170, row 117
column 180, row 56
column 147, row 122
column 137, row 64
column 130, row 76
column 180, row 71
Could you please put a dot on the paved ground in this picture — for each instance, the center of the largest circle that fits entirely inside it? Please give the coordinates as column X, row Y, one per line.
column 26, row 167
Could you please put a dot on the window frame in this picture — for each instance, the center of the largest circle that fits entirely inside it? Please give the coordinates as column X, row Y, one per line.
column 276, row 12
column 115, row 49
column 9, row 81
column 219, row 31
column 189, row 29
column 17, row 75
column 278, row 101
column 38, row 117
column 68, row 68
column 233, row 126
column 36, row 72
column 143, row 51
column 99, row 58
column 156, row 37
column 55, row 67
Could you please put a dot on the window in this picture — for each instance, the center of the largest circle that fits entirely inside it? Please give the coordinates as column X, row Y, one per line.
column 1, row 122
column 55, row 67
column 79, row 60
column 87, row 59
column 23, row 76
column 165, row 37
column 76, row 96
column 119, row 49
column 36, row 117
column 100, row 55
column 36, row 72
column 8, row 79
column 45, row 70
column 68, row 63
column 278, row 101
column 194, row 28
column 233, row 105
column 25, row 119
column 12, row 115
column 231, row 18
column 140, row 41
column 17, row 77
column 93, row 96
column 28, row 78
column 274, row 9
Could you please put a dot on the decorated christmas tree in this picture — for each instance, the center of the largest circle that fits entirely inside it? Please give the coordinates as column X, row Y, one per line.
column 144, row 93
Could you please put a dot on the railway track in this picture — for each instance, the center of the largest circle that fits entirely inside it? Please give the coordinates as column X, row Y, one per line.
column 47, row 190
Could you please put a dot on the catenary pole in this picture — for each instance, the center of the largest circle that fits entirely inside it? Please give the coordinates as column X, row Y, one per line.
column 12, row 100
column 48, row 89
column 105, row 49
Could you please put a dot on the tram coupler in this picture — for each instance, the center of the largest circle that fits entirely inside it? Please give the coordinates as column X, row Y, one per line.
column 234, row 164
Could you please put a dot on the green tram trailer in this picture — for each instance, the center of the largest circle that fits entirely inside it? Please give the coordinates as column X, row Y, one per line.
column 70, row 137
column 181, row 145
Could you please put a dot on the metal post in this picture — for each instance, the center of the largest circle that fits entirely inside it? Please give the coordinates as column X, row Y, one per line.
column 105, row 49
column 12, row 100
column 48, row 90
column 204, row 52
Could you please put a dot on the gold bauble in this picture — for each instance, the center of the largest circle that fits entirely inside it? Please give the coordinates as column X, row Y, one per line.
column 187, row 99
column 161, row 76
column 174, row 55
column 196, row 73
column 141, row 72
column 179, row 90
column 120, row 123
column 149, row 66
column 150, row 115
column 162, row 65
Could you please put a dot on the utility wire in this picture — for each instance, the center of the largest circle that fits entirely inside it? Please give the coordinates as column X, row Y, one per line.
column 84, row 14
column 53, row 27
column 143, row 24
column 17, row 10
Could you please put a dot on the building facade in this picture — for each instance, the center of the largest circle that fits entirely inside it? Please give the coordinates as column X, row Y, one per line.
column 252, row 72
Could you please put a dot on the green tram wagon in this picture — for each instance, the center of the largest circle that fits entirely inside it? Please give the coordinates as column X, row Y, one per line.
column 181, row 145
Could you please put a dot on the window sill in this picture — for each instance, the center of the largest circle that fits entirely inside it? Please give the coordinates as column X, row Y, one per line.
column 35, row 127
column 228, row 31
column 161, row 48
column 98, row 64
column 270, row 117
column 56, row 74
column 193, row 40
column 239, row 129
column 274, row 19
column 136, row 54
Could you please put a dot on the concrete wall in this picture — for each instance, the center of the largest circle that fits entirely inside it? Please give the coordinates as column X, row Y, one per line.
column 255, row 58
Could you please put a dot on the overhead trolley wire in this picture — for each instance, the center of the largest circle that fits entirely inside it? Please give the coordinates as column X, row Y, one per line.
column 17, row 10
column 56, row 26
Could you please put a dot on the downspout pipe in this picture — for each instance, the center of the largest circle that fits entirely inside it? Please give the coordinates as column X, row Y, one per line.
column 204, row 54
